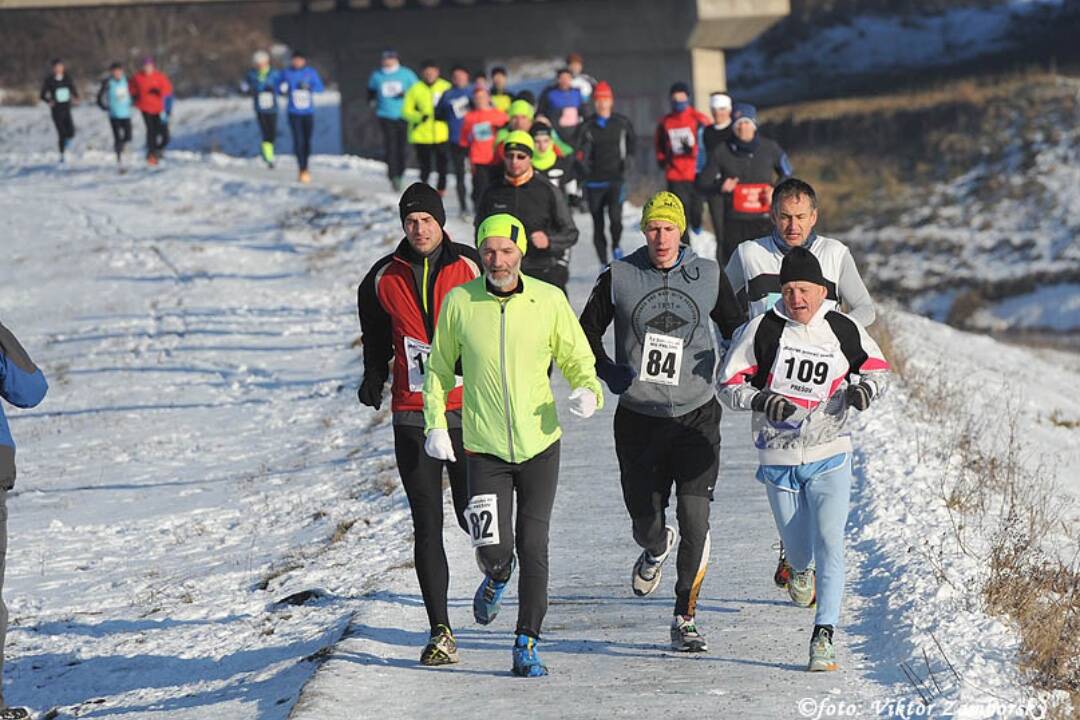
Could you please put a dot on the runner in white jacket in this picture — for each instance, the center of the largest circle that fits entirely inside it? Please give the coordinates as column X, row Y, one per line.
column 754, row 272
column 801, row 367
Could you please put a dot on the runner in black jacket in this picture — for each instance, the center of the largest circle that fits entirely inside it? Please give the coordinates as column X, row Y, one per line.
column 744, row 170
column 59, row 91
column 607, row 147
column 539, row 206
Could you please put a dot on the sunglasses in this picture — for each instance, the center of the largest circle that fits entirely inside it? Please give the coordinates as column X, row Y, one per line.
column 517, row 156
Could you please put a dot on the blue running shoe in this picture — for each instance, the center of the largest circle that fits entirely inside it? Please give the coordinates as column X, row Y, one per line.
column 485, row 603
column 617, row 253
column 526, row 659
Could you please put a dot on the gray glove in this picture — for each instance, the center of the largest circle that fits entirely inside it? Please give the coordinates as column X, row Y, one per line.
column 776, row 407
column 859, row 396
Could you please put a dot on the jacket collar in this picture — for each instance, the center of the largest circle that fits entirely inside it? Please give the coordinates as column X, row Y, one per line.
column 780, row 309
column 784, row 248
column 443, row 255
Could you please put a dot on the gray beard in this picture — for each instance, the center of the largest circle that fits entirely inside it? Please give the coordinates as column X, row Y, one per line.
column 504, row 283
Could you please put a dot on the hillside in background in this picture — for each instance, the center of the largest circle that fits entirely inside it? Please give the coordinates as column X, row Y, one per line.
column 835, row 48
column 960, row 202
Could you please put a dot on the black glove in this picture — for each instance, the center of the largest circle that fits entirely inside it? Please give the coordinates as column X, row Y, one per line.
column 370, row 392
column 859, row 396
column 618, row 378
column 777, row 408
column 424, row 119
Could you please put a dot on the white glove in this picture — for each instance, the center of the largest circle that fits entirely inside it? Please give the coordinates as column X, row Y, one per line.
column 438, row 445
column 583, row 403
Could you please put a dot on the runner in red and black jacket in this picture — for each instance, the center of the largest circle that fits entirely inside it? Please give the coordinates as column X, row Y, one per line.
column 399, row 302
column 678, row 143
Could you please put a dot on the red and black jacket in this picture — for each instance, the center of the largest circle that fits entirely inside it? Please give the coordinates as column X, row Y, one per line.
column 400, row 298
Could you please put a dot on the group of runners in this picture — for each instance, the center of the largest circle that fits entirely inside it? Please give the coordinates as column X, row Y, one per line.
column 467, row 334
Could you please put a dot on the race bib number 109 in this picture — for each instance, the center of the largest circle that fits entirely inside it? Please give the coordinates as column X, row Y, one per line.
column 808, row 373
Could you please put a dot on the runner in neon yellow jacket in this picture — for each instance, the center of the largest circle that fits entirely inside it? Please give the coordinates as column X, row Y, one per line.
column 506, row 328
column 506, row 345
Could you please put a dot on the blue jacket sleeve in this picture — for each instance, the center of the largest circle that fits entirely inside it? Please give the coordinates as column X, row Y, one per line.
column 21, row 382
column 316, row 82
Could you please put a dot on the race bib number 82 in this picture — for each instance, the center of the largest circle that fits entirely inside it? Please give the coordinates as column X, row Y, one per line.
column 482, row 515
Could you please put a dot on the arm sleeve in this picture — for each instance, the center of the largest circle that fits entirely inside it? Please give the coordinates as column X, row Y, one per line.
column 853, row 293
column 103, row 94
column 708, row 180
column 631, row 143
column 316, row 82
column 733, row 386
column 563, row 234
column 442, row 109
column 376, row 338
column 875, row 370
column 46, row 95
column 728, row 313
column 702, row 155
column 660, row 145
column 445, row 351
column 736, row 275
column 598, row 313
column 133, row 89
column 409, row 111
column 466, row 130
column 585, row 152
column 166, row 86
column 572, row 353
column 21, row 382
column 783, row 166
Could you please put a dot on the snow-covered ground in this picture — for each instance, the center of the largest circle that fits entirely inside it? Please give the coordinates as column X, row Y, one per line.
column 201, row 456
column 201, row 125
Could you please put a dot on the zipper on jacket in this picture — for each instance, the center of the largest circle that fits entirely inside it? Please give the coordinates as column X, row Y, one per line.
column 505, row 382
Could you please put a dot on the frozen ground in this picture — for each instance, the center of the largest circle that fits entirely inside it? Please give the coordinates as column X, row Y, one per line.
column 201, row 456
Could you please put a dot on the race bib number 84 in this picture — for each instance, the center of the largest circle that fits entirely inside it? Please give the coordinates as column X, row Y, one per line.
column 661, row 359
column 482, row 515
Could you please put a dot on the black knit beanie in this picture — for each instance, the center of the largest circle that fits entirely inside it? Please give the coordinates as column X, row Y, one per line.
column 421, row 197
column 800, row 264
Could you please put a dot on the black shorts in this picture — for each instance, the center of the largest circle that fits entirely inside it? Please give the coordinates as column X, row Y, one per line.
column 656, row 452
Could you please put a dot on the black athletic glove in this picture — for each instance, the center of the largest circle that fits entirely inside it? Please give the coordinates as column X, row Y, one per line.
column 424, row 119
column 618, row 378
column 370, row 392
column 776, row 407
column 859, row 396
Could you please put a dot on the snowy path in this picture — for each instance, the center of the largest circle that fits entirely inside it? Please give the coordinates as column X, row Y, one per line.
column 607, row 649
column 201, row 456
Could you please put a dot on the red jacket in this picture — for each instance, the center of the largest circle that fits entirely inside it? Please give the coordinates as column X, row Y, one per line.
column 398, row 313
column 678, row 144
column 478, row 133
column 149, row 91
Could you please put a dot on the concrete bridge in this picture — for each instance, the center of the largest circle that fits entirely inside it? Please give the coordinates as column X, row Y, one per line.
column 639, row 46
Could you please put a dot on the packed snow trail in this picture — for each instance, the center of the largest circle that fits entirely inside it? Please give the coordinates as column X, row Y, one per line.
column 607, row 650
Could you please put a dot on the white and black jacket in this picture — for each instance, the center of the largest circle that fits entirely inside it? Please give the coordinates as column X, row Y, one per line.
column 754, row 272
column 811, row 365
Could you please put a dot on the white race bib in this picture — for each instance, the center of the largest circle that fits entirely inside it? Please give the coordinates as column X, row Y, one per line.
column 661, row 359
column 416, row 355
column 121, row 92
column 682, row 140
column 266, row 100
column 392, row 88
column 62, row 95
column 483, row 131
column 460, row 106
column 301, row 99
column 807, row 372
column 482, row 515
column 569, row 117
